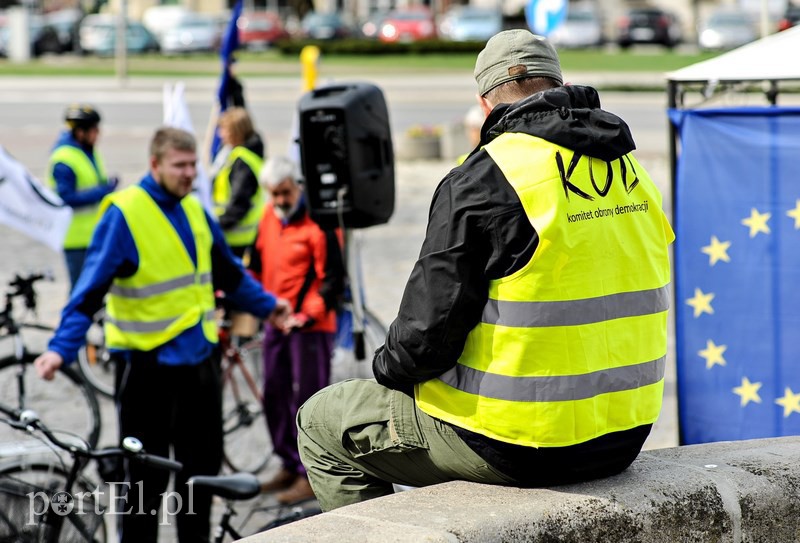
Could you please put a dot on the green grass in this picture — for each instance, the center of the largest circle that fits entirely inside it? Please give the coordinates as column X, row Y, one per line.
column 271, row 63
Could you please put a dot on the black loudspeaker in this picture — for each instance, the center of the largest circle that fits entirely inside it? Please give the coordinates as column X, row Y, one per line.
column 346, row 155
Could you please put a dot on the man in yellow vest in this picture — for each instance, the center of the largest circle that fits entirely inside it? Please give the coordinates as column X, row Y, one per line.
column 160, row 257
column 531, row 341
column 77, row 173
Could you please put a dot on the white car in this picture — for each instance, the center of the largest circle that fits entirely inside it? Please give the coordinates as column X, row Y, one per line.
column 581, row 28
column 193, row 33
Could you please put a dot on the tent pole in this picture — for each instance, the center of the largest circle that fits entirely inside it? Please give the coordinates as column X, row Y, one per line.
column 672, row 102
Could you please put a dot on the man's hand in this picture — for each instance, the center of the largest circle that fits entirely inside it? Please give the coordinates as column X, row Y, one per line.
column 47, row 364
column 280, row 315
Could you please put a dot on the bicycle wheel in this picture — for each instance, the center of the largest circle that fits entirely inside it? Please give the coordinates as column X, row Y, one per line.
column 345, row 365
column 247, row 445
column 29, row 491
column 66, row 404
column 94, row 360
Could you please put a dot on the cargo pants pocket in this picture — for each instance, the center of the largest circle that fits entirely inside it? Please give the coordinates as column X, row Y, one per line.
column 381, row 420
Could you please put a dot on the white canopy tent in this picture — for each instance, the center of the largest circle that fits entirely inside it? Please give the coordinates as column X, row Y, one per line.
column 773, row 58
column 771, row 62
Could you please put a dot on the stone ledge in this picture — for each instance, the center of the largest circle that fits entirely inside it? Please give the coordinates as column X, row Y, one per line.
column 745, row 491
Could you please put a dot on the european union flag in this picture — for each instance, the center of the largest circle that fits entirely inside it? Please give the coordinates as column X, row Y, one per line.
column 737, row 273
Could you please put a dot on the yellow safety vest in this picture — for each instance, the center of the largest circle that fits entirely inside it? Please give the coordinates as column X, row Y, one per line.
column 572, row 346
column 244, row 232
column 167, row 294
column 87, row 177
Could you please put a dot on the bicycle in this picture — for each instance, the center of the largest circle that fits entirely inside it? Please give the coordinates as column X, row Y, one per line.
column 94, row 359
column 246, row 443
column 39, row 499
column 245, row 486
column 68, row 396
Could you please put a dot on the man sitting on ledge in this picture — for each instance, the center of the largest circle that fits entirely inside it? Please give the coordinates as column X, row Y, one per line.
column 531, row 341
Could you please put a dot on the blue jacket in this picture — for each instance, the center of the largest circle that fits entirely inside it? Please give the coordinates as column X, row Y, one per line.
column 65, row 177
column 112, row 253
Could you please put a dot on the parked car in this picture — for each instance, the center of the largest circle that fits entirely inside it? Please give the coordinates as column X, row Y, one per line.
column 98, row 36
column 649, row 25
column 260, row 29
column 65, row 24
column 408, row 24
column 159, row 19
column 583, row 27
column 465, row 23
column 43, row 39
column 791, row 17
column 371, row 26
column 726, row 29
column 193, row 33
column 324, row 26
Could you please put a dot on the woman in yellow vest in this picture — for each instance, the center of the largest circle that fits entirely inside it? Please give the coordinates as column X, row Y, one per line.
column 530, row 345
column 77, row 173
column 238, row 198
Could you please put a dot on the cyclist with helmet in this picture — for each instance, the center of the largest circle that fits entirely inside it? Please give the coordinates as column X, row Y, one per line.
column 77, row 174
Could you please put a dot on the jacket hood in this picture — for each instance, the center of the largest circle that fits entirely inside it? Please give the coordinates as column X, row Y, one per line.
column 569, row 116
column 65, row 137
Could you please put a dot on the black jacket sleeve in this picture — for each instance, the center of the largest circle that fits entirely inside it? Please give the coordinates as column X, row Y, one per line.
column 477, row 230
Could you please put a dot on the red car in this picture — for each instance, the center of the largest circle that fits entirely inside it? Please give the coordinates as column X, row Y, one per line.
column 260, row 29
column 410, row 24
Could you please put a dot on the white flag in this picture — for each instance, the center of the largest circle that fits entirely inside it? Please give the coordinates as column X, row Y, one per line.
column 176, row 114
column 29, row 207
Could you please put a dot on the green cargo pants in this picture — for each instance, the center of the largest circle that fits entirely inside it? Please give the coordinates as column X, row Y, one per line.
column 357, row 437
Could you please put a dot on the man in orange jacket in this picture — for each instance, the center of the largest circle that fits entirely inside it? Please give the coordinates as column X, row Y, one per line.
column 298, row 261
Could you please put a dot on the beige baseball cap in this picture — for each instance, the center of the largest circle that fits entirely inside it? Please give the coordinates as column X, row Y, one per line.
column 515, row 54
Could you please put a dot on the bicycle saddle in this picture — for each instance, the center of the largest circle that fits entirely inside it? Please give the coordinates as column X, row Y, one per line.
column 239, row 486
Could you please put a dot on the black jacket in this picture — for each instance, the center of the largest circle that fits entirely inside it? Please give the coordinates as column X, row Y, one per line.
column 244, row 183
column 478, row 231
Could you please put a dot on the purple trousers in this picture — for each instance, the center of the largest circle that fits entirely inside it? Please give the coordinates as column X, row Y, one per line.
column 295, row 367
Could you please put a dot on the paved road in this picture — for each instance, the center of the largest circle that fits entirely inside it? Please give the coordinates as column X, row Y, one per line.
column 31, row 108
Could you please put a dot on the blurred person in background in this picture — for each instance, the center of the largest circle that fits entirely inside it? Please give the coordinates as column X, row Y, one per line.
column 237, row 196
column 300, row 262
column 473, row 121
column 77, row 173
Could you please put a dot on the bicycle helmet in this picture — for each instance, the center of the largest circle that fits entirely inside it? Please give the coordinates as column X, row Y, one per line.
column 81, row 116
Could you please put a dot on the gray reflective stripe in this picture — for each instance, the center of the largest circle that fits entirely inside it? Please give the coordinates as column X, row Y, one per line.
column 158, row 288
column 141, row 327
column 554, row 388
column 576, row 312
column 151, row 326
column 242, row 228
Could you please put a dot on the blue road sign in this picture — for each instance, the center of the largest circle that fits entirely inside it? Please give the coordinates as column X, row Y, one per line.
column 544, row 16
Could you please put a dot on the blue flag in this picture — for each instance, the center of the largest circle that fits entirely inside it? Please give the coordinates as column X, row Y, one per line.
column 737, row 273
column 228, row 85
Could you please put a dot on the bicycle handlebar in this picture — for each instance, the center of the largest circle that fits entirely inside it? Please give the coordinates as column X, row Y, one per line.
column 23, row 286
column 28, row 420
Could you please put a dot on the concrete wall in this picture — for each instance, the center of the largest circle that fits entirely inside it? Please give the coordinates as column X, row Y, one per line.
column 747, row 491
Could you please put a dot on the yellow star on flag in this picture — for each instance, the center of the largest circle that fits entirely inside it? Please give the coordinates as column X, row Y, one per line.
column 713, row 354
column 718, row 250
column 790, row 402
column 748, row 392
column 795, row 214
column 757, row 222
column 701, row 303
